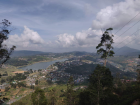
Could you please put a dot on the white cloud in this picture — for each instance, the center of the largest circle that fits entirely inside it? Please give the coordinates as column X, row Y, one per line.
column 86, row 38
column 66, row 40
column 112, row 16
column 28, row 39
column 117, row 15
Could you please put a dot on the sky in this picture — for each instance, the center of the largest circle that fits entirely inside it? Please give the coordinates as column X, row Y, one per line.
column 70, row 25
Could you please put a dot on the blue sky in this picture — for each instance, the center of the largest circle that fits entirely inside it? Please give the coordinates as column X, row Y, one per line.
column 68, row 25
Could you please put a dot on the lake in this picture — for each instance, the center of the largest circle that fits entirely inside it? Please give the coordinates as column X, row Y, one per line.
column 40, row 65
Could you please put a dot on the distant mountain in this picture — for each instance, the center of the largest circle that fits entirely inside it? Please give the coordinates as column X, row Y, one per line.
column 77, row 53
column 118, row 51
column 126, row 51
column 31, row 53
column 26, row 53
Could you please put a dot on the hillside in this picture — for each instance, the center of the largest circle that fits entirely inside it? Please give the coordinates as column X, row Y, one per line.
column 26, row 53
column 126, row 51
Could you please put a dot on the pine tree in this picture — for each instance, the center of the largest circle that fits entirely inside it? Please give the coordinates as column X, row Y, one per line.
column 52, row 97
column 138, row 71
column 70, row 95
column 99, row 89
column 38, row 97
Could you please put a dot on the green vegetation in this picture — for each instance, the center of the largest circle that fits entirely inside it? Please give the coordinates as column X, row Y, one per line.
column 106, row 41
column 38, row 97
column 85, row 69
column 90, row 58
column 23, row 61
column 5, row 52
column 15, row 62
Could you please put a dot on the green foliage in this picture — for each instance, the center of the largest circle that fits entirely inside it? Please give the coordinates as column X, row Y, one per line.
column 2, row 81
column 91, row 58
column 106, row 41
column 16, row 62
column 9, row 79
column 138, row 71
column 4, row 51
column 71, row 97
column 99, row 88
column 49, row 82
column 52, row 97
column 32, row 87
column 85, row 69
column 7, row 88
column 36, row 82
column 13, row 85
column 38, row 97
column 21, row 84
column 103, row 75
column 19, row 76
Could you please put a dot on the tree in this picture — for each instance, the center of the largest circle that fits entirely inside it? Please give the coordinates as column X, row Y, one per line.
column 2, row 81
column 32, row 87
column 4, row 51
column 7, row 88
column 36, row 82
column 138, row 71
column 38, row 97
column 21, row 84
column 100, row 84
column 106, row 42
column 13, row 85
column 52, row 97
column 70, row 94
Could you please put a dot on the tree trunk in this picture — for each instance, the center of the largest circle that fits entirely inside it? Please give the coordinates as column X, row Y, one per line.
column 98, row 97
column 105, row 63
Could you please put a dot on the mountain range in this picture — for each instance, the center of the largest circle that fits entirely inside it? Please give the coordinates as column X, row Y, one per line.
column 125, row 51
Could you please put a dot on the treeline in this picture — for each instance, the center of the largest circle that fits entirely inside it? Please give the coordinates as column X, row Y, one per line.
column 17, row 77
column 26, row 61
column 16, row 62
column 91, row 58
column 87, row 69
column 115, row 70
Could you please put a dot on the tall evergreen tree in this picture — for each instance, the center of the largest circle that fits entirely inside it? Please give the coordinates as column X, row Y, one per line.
column 138, row 70
column 99, row 88
column 105, row 45
column 101, row 81
column 52, row 97
column 38, row 97
column 70, row 95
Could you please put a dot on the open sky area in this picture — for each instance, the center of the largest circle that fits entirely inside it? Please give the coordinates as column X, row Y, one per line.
column 70, row 25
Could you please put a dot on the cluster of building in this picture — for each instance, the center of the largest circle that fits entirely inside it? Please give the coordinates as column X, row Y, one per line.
column 63, row 76
column 59, row 74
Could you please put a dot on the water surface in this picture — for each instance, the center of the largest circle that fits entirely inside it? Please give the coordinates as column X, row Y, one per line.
column 40, row 65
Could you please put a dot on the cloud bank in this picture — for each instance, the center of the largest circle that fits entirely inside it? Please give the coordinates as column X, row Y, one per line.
column 28, row 39
column 114, row 16
column 117, row 15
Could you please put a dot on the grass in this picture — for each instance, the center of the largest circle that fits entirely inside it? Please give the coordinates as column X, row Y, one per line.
column 24, row 101
column 27, row 99
column 9, row 70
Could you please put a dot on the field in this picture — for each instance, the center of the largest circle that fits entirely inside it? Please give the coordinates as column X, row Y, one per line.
column 10, row 70
column 59, row 91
